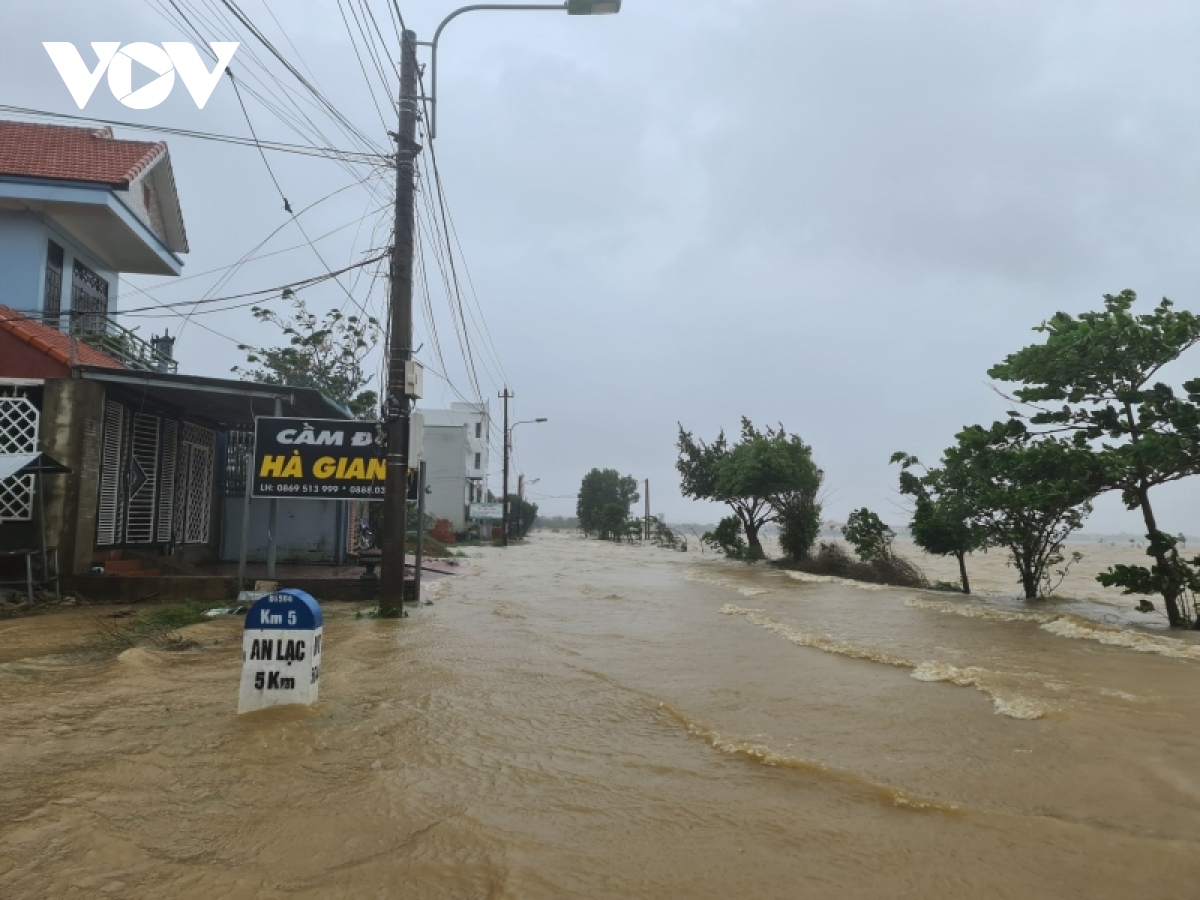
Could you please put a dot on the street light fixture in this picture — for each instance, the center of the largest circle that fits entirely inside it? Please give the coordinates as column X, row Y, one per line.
column 593, row 7
column 507, row 452
column 571, row 7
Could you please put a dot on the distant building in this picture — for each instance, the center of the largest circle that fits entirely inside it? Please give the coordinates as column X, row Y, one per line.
column 456, row 456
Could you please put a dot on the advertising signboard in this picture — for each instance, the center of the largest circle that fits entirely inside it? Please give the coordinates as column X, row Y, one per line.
column 482, row 512
column 319, row 459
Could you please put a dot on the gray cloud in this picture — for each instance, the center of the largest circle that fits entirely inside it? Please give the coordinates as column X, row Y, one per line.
column 834, row 215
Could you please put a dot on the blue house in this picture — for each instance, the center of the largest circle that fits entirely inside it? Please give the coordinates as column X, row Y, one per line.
column 77, row 208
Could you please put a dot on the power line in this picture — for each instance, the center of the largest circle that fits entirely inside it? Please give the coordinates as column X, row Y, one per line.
column 350, row 156
column 293, row 286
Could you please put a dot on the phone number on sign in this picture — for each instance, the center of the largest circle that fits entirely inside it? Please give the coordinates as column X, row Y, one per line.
column 323, row 490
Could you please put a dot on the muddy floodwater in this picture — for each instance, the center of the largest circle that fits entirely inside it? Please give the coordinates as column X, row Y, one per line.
column 576, row 719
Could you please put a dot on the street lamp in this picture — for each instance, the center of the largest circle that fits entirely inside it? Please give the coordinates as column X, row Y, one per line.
column 507, row 450
column 402, row 382
column 571, row 7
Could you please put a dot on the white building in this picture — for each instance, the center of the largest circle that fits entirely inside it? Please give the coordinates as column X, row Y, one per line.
column 456, row 456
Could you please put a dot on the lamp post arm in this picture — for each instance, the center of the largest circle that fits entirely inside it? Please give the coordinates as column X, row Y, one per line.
column 560, row 7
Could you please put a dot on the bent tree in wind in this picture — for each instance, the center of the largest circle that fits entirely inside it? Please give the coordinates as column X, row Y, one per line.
column 1094, row 378
column 767, row 476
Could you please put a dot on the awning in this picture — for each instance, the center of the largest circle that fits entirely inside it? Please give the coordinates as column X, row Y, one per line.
column 12, row 463
column 29, row 464
column 223, row 401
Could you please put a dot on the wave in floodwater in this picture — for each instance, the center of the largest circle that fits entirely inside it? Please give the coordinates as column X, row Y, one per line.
column 706, row 577
column 1015, row 706
column 835, row 579
column 1069, row 626
column 764, row 755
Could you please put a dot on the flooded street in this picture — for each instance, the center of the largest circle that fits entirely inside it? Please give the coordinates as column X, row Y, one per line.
column 592, row 720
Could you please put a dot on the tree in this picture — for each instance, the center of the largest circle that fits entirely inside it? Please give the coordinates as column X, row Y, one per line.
column 1092, row 377
column 521, row 513
column 604, row 500
column 943, row 522
column 727, row 538
column 1027, row 494
column 767, row 476
column 869, row 536
column 327, row 353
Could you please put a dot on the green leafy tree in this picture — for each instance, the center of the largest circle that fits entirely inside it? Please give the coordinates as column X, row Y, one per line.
column 327, row 353
column 942, row 522
column 522, row 514
column 869, row 536
column 727, row 538
column 604, row 500
column 1093, row 377
column 767, row 476
column 1027, row 494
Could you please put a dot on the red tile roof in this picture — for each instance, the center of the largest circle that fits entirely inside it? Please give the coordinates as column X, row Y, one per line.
column 52, row 342
column 73, row 154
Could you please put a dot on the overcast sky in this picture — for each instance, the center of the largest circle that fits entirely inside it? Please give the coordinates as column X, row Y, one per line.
column 833, row 215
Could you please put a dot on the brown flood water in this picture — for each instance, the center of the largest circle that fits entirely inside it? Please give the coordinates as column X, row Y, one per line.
column 587, row 720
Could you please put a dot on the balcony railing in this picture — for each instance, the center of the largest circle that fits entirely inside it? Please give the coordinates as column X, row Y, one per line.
column 122, row 344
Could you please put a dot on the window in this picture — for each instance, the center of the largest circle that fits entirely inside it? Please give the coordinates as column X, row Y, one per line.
column 478, row 460
column 478, row 434
column 52, row 302
column 89, row 299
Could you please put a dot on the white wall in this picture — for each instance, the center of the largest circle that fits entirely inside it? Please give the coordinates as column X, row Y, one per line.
column 446, row 448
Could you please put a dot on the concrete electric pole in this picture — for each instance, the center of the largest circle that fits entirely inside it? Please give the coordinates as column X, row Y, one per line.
column 397, row 402
column 505, row 396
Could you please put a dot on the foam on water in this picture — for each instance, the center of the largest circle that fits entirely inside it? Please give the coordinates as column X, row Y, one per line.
column 975, row 611
column 1068, row 626
column 1014, row 706
column 835, row 579
column 1081, row 629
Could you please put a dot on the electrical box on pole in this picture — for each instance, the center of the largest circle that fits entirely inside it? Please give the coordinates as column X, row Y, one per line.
column 414, row 379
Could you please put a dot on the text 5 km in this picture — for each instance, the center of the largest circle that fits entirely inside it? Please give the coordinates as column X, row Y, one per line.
column 118, row 60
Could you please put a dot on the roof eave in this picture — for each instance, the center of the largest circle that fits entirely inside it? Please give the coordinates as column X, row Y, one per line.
column 58, row 199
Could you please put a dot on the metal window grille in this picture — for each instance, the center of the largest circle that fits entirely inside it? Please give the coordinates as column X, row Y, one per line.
column 239, row 448
column 194, row 512
column 89, row 299
column 110, row 514
column 166, row 492
column 52, row 303
column 142, row 475
column 19, row 420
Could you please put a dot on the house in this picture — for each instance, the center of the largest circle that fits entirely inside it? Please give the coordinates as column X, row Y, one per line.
column 456, row 457
column 77, row 208
column 157, row 460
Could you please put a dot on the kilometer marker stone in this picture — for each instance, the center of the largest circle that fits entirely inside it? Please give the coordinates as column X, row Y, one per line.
column 281, row 651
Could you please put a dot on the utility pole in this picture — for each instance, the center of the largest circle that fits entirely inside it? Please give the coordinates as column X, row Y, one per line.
column 647, row 510
column 505, row 396
column 396, row 403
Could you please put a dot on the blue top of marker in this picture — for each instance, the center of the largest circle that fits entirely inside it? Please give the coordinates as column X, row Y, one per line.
column 288, row 610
